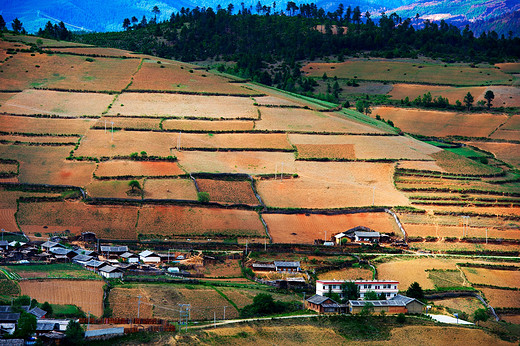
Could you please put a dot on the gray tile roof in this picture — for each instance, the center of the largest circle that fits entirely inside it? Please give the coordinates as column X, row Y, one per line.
column 317, row 299
column 147, row 253
column 95, row 263
column 60, row 251
column 376, row 302
column 36, row 311
column 109, row 269
column 406, row 300
column 9, row 316
column 105, row 248
column 286, row 264
column 82, row 258
column 128, row 255
column 107, row 331
column 367, row 234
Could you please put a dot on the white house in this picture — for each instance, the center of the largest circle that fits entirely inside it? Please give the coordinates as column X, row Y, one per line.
column 283, row 266
column 388, row 287
column 148, row 256
column 110, row 272
column 130, row 257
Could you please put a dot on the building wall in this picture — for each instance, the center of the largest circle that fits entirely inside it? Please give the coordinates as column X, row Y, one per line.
column 415, row 307
column 390, row 290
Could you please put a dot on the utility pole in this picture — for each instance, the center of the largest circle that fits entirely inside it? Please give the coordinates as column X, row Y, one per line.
column 265, row 245
column 138, row 305
column 486, row 236
column 214, row 319
column 88, row 322
column 281, row 174
column 225, row 312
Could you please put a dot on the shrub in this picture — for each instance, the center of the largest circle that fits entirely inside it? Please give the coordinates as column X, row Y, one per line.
column 401, row 318
column 203, row 197
column 89, row 59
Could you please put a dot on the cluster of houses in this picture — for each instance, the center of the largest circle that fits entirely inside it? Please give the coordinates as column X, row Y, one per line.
column 394, row 303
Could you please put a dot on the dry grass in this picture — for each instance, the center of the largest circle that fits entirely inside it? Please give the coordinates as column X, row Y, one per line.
column 124, row 302
column 228, row 191
column 496, row 277
column 178, row 105
column 453, row 163
column 63, row 104
column 420, row 165
column 43, row 125
column 40, row 139
column 502, row 298
column 416, row 72
column 333, row 185
column 170, row 189
column 412, row 91
column 66, row 71
column 333, row 151
column 179, row 221
column 423, row 230
column 440, row 123
column 464, row 304
column 303, row 120
column 108, row 222
column 510, row 130
column 300, row 228
column 137, row 168
column 208, row 125
column 112, row 189
column 235, row 141
column 45, row 41
column 128, row 123
column 507, row 152
column 347, row 274
column 88, row 295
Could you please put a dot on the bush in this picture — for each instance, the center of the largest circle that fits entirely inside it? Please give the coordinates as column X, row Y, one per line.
column 264, row 304
column 203, row 197
column 89, row 59
column 401, row 318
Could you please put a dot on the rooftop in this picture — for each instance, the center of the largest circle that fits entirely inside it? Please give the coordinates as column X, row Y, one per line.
column 105, row 248
column 286, row 264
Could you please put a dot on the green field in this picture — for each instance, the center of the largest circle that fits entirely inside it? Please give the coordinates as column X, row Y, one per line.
column 467, row 152
column 411, row 72
column 58, row 270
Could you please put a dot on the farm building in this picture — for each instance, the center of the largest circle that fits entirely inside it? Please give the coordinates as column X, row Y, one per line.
column 103, row 334
column 388, row 287
column 264, row 267
column 94, row 265
column 371, row 237
column 358, row 234
column 113, row 251
column 395, row 305
column 37, row 312
column 283, row 266
column 50, row 244
column 82, row 259
column 324, row 305
column 148, row 256
column 58, row 251
column 9, row 317
column 130, row 257
column 110, row 272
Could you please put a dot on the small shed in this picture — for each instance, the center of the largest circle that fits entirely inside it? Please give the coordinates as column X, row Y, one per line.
column 148, row 256
column 104, row 334
column 37, row 312
column 82, row 259
column 110, row 272
column 113, row 251
column 130, row 257
column 94, row 265
column 324, row 305
column 264, row 267
column 413, row 306
column 371, row 237
column 9, row 317
column 50, row 244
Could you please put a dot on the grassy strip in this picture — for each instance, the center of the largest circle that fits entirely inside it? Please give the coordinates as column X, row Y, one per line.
column 226, row 298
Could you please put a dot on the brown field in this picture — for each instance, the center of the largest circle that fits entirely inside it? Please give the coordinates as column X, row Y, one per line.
column 235, row 141
column 251, row 162
column 7, row 220
column 63, row 104
column 420, row 165
column 178, row 105
column 496, row 277
column 7, row 167
column 413, row 72
column 507, row 152
column 66, row 71
column 5, row 97
column 170, row 189
column 464, row 304
column 366, row 147
column 451, row 220
column 208, row 125
column 456, row 231
column 128, row 123
column 440, row 247
column 194, row 221
column 505, row 96
column 5, row 45
column 509, row 67
column 440, row 123
column 88, row 295
column 510, row 318
column 137, row 168
column 176, row 76
column 510, row 130
column 304, row 120
column 501, row 298
column 18, row 124
column 453, row 163
column 347, row 274
column 333, row 185
column 111, row 189
column 228, row 191
column 72, row 140
column 400, row 91
column 277, row 101
column 300, row 228
column 334, row 151
column 47, row 165
column 108, row 222
column 414, row 269
column 124, row 302
column 229, row 268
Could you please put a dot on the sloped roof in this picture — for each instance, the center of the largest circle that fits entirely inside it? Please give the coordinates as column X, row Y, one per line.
column 60, row 251
column 106, row 248
column 36, row 311
column 9, row 316
column 82, row 258
column 95, row 263
column 44, row 326
column 106, row 331
column 109, row 269
column 147, row 253
column 359, row 228
column 286, row 264
column 317, row 299
column 406, row 300
column 51, row 244
column 128, row 255
column 367, row 234
column 376, row 302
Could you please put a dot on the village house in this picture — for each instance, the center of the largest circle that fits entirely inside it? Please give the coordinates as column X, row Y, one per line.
column 113, row 252
column 395, row 305
column 387, row 287
column 110, row 272
column 148, row 256
column 82, row 259
column 130, row 257
column 49, row 245
column 263, row 267
column 359, row 234
column 324, row 305
column 282, row 266
column 94, row 265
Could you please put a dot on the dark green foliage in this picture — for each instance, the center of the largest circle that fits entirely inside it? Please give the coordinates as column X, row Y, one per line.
column 74, row 335
column 47, row 307
column 56, row 31
column 17, row 25
column 263, row 305
column 203, row 197
column 134, row 184
column 350, row 291
column 481, row 315
column 371, row 295
column 468, row 100
column 401, row 318
column 489, row 96
column 368, row 309
column 26, row 325
column 415, row 291
column 2, row 23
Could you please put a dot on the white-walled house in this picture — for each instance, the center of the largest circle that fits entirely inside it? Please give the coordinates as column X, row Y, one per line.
column 110, row 272
column 388, row 287
column 148, row 256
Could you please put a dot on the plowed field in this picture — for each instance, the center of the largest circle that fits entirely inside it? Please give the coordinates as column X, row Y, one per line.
column 400, row 91
column 501, row 298
column 170, row 189
column 137, row 168
column 300, row 228
column 496, row 277
column 58, row 103
column 17, row 124
column 193, row 221
column 332, row 151
column 128, row 123
column 228, row 191
column 236, row 141
column 111, row 189
column 507, row 152
column 178, row 105
column 88, row 295
column 208, row 125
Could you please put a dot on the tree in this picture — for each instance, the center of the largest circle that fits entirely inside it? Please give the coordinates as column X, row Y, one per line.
column 368, row 309
column 415, row 291
column 47, row 307
column 480, row 315
column 74, row 334
column 126, row 24
column 489, row 96
column 371, row 295
column 156, row 11
column 360, row 106
column 401, row 318
column 381, row 296
column 26, row 325
column 134, row 184
column 17, row 25
column 350, row 290
column 203, row 197
column 2, row 23
column 468, row 100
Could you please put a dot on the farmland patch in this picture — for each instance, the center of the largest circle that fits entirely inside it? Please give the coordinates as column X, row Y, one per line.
column 507, row 152
column 115, row 168
column 17, row 124
column 207, row 125
column 412, row 91
column 170, row 189
column 501, row 298
column 225, row 191
column 128, row 123
column 496, row 277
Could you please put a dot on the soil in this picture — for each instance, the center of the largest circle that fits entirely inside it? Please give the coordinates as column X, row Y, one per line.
column 170, row 189
column 137, row 168
column 498, row 277
column 208, row 125
column 501, row 298
column 19, row 124
column 347, row 274
column 233, row 192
